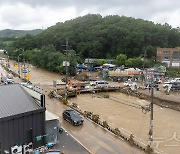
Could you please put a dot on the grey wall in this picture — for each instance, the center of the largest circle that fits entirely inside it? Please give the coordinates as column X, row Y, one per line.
column 22, row 129
column 52, row 127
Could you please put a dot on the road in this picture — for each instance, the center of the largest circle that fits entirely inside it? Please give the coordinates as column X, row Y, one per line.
column 94, row 138
column 68, row 144
column 166, row 121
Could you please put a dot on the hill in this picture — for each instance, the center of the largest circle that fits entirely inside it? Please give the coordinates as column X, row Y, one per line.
column 105, row 37
column 18, row 33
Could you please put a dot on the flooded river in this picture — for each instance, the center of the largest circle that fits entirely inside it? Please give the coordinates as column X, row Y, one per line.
column 118, row 114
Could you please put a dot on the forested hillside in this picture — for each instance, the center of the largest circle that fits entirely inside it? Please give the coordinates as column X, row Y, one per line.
column 122, row 38
column 98, row 37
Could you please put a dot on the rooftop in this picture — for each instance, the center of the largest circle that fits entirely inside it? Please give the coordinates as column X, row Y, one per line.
column 14, row 100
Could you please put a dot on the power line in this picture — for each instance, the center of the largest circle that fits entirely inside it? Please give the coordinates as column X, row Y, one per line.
column 125, row 102
column 145, row 109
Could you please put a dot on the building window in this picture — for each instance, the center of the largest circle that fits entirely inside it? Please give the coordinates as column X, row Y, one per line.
column 166, row 59
column 166, row 52
column 158, row 52
column 176, row 58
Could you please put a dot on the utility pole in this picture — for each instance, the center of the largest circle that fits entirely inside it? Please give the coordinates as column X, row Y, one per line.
column 146, row 68
column 144, row 58
column 24, row 63
column 151, row 116
column 19, row 65
column 66, row 64
column 8, row 62
column 8, row 65
column 28, row 74
column 24, row 59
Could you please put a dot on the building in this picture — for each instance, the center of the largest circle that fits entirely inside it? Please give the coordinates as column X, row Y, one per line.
column 52, row 128
column 170, row 56
column 22, row 120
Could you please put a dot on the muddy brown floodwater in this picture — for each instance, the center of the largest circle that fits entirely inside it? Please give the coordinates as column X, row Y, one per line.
column 166, row 121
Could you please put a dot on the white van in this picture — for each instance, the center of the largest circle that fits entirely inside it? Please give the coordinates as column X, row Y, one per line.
column 101, row 84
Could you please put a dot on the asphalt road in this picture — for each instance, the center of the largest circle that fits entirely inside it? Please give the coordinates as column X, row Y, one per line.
column 68, row 144
column 94, row 138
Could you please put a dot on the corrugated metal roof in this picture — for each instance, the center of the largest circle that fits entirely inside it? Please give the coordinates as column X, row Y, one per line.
column 14, row 100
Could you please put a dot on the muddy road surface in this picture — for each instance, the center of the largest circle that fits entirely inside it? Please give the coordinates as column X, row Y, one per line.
column 93, row 137
column 118, row 114
column 121, row 113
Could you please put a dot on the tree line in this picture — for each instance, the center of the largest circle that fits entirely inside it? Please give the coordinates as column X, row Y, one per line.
column 94, row 36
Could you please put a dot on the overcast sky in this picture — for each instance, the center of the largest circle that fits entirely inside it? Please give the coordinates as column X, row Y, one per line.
column 35, row 14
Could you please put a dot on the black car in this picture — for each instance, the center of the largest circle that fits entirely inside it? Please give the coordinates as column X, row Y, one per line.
column 73, row 117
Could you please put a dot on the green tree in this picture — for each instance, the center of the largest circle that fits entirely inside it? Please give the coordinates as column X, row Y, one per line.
column 94, row 36
column 121, row 59
column 134, row 62
column 101, row 61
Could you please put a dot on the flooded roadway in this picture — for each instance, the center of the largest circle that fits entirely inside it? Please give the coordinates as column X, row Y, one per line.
column 166, row 121
column 94, row 138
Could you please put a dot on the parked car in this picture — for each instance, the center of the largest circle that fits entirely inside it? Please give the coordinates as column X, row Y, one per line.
column 93, row 83
column 176, row 80
column 10, row 76
column 172, row 81
column 73, row 117
column 99, row 84
column 5, row 80
column 176, row 85
column 129, row 83
column 102, row 84
column 166, row 84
